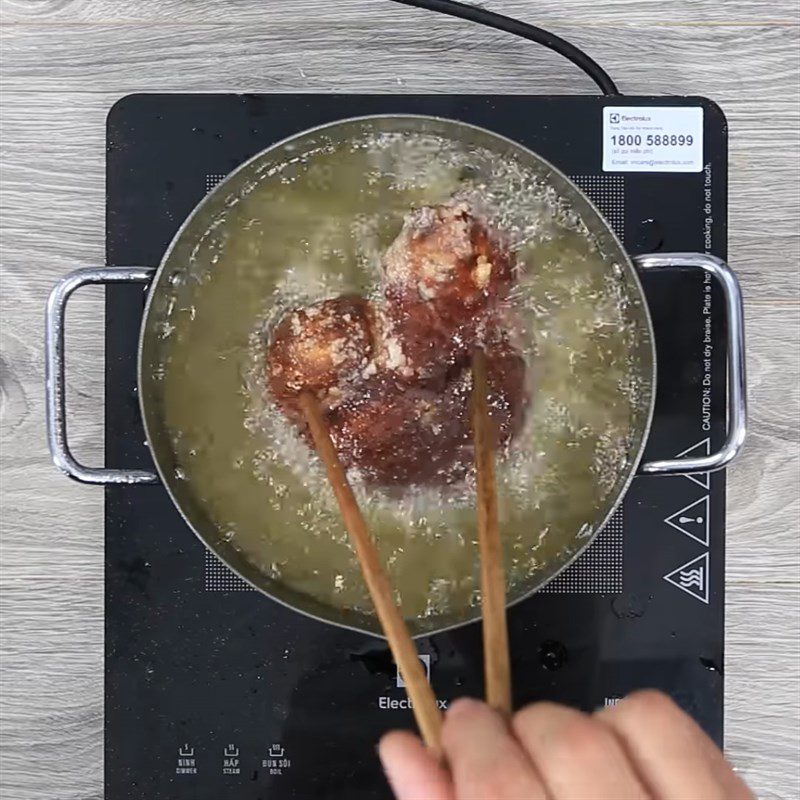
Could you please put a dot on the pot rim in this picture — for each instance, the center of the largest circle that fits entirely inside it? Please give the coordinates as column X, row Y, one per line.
column 632, row 466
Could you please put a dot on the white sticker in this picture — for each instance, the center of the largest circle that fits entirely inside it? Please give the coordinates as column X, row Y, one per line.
column 652, row 139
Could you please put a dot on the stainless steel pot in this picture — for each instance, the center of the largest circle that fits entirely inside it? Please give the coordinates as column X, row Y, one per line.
column 175, row 257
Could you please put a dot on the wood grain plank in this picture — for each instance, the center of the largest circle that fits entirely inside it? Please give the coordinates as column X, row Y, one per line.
column 736, row 61
column 763, row 501
column 678, row 13
column 761, row 687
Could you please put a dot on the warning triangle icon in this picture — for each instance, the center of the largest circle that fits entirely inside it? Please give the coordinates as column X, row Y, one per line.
column 692, row 578
column 702, row 448
column 692, row 520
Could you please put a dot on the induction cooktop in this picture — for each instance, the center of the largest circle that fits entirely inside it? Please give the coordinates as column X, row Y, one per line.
column 213, row 690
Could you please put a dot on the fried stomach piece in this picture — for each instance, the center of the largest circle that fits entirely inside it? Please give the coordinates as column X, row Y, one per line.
column 442, row 273
column 400, row 435
column 397, row 434
column 321, row 349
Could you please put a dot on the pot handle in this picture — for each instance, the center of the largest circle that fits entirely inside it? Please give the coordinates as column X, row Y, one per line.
column 737, row 385
column 55, row 381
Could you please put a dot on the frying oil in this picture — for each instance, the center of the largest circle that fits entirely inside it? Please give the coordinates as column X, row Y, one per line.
column 315, row 226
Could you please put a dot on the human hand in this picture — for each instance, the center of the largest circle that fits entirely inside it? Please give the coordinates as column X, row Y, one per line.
column 644, row 747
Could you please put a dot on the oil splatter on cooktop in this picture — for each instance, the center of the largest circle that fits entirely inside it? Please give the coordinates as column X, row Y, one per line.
column 215, row 691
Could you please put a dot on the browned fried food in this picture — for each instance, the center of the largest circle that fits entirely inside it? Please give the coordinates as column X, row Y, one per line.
column 442, row 273
column 400, row 434
column 394, row 378
column 321, row 349
column 396, row 434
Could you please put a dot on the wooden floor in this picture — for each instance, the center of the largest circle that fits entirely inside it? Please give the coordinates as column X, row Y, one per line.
column 66, row 61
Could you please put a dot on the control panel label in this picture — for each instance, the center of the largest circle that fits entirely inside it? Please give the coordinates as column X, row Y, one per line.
column 187, row 764
column 652, row 139
column 230, row 760
column 277, row 762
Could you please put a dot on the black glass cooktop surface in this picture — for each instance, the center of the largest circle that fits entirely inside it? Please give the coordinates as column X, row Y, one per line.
column 215, row 691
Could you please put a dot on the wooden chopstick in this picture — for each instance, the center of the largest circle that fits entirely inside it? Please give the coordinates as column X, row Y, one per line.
column 426, row 711
column 496, row 666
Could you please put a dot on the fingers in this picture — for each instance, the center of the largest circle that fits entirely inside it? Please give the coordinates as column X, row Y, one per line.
column 486, row 762
column 673, row 756
column 411, row 770
column 576, row 756
column 644, row 747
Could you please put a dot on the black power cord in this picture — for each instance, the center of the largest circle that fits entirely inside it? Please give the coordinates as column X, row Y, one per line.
column 530, row 32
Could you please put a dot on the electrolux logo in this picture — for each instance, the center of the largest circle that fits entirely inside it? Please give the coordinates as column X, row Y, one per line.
column 616, row 118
